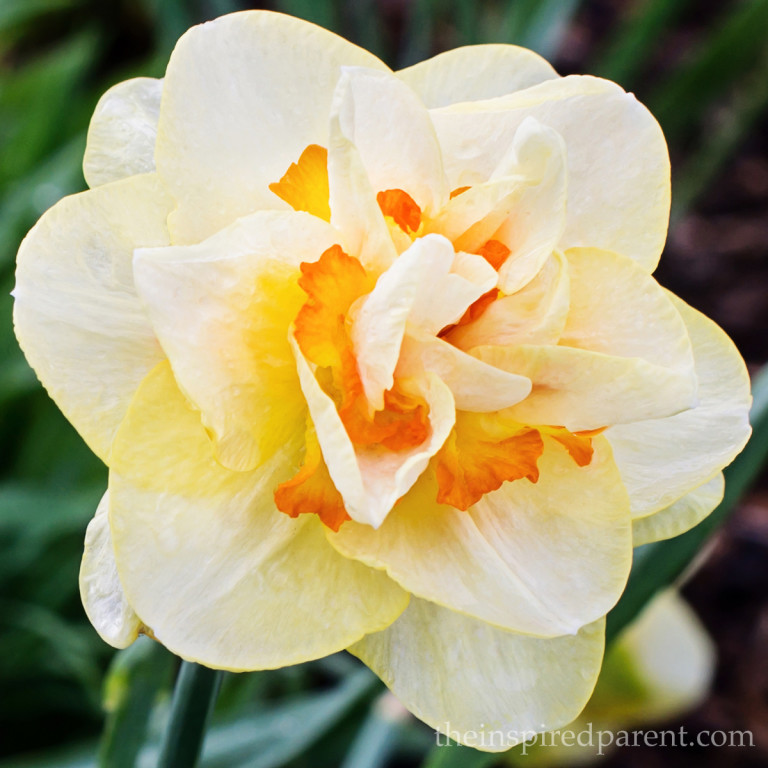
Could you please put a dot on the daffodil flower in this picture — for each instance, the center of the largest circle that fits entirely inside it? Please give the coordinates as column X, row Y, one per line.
column 376, row 362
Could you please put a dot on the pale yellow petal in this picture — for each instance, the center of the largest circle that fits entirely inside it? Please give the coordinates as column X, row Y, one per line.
column 100, row 588
column 581, row 390
column 123, row 130
column 207, row 561
column 543, row 558
column 244, row 95
column 372, row 479
column 222, row 310
column 77, row 316
column 663, row 459
column 476, row 72
column 680, row 516
column 479, row 685
column 535, row 314
column 392, row 131
column 475, row 385
column 618, row 165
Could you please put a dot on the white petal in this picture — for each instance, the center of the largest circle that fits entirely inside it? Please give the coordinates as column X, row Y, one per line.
column 663, row 459
column 680, row 516
column 618, row 165
column 123, row 130
column 482, row 686
column 476, row 72
column 244, row 95
column 392, row 131
column 371, row 480
column 77, row 316
column 221, row 310
column 100, row 588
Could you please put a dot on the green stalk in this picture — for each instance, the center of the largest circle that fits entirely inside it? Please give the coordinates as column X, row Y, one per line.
column 193, row 701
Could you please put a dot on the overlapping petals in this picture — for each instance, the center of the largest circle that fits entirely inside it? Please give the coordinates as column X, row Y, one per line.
column 350, row 338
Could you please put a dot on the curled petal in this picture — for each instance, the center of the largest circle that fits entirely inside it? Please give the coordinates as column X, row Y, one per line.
column 100, row 588
column 483, row 687
column 123, row 130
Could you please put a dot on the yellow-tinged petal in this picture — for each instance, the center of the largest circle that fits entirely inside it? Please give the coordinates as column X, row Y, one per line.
column 100, row 588
column 243, row 96
column 542, row 559
column 663, row 459
column 535, row 314
column 123, row 130
column 476, row 72
column 583, row 390
column 372, row 478
column 391, row 130
column 680, row 516
column 76, row 315
column 618, row 165
column 221, row 310
column 480, row 685
column 208, row 562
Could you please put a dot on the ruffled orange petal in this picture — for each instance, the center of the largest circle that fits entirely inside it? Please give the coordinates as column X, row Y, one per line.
column 401, row 207
column 304, row 186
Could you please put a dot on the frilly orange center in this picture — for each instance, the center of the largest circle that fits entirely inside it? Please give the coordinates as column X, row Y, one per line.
column 482, row 451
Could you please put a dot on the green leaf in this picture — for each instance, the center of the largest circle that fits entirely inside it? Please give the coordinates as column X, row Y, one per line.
column 379, row 736
column 454, row 755
column 16, row 13
column 658, row 565
column 135, row 679
column 538, row 24
column 322, row 12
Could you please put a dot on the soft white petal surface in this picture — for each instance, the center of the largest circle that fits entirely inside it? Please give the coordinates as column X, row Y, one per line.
column 221, row 310
column 392, row 131
column 371, row 480
column 483, row 686
column 100, row 589
column 618, row 166
column 244, row 95
column 680, row 516
column 77, row 316
column 476, row 72
column 663, row 459
column 208, row 562
column 123, row 130
column 542, row 559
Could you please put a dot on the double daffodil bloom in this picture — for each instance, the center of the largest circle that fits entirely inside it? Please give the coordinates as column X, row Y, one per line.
column 377, row 362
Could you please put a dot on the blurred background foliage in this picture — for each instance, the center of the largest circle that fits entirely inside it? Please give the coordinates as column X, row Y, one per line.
column 66, row 699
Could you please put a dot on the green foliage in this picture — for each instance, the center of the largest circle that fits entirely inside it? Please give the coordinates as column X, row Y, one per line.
column 61, row 685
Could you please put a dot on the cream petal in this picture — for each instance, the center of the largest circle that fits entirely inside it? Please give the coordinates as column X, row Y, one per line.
column 451, row 282
column 206, row 559
column 123, row 130
column 476, row 72
column 371, row 480
column 580, row 389
column 100, row 589
column 479, row 685
column 680, row 516
column 542, row 559
column 244, row 95
column 76, row 314
column 618, row 309
column 221, row 311
column 663, row 459
column 475, row 385
column 392, row 131
column 535, row 314
column 618, row 165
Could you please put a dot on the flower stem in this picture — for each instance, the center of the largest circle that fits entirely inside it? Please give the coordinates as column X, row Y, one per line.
column 193, row 700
